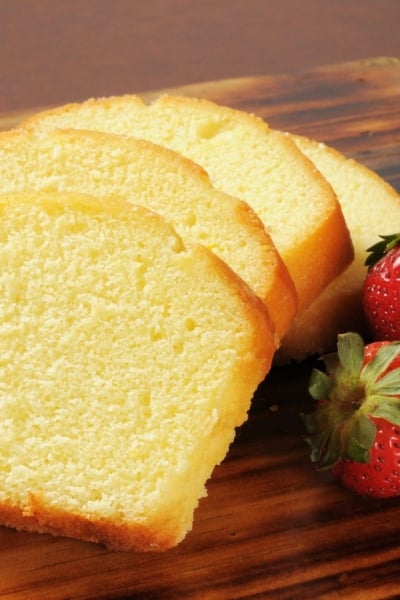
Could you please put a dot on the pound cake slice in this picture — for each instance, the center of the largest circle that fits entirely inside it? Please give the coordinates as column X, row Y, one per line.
column 371, row 208
column 244, row 158
column 123, row 376
column 163, row 181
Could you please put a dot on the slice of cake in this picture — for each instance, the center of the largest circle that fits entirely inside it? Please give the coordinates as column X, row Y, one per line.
column 243, row 157
column 371, row 208
column 163, row 181
column 127, row 361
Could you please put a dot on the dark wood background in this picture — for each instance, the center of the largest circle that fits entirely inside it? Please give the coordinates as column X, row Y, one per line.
column 54, row 51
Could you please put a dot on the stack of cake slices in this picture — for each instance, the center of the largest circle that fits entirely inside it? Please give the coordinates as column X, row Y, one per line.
column 156, row 260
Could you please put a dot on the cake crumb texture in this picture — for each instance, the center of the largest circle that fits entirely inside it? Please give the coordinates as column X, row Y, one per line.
column 122, row 376
column 163, row 181
column 243, row 157
column 371, row 208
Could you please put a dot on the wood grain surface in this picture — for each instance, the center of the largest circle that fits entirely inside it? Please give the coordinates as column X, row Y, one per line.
column 271, row 527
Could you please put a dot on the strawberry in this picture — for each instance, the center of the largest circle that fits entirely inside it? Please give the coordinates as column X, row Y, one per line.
column 381, row 291
column 355, row 429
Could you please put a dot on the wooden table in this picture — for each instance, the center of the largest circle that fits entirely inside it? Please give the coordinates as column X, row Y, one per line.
column 271, row 527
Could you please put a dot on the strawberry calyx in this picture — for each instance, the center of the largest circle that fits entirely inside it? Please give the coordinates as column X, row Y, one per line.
column 350, row 393
column 379, row 249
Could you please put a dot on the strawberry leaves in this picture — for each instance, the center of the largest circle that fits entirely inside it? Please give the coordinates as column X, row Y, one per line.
column 379, row 249
column 382, row 386
column 375, row 373
column 350, row 394
column 360, row 440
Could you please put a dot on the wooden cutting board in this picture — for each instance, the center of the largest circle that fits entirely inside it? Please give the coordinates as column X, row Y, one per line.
column 271, row 527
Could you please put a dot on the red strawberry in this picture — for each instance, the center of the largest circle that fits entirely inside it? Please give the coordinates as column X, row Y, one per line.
column 355, row 428
column 381, row 293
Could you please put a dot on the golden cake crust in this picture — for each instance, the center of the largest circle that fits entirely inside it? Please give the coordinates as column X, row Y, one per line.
column 244, row 158
column 123, row 376
column 164, row 181
column 371, row 208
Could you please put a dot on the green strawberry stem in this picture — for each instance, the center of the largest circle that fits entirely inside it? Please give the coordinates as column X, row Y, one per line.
column 379, row 249
column 348, row 394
